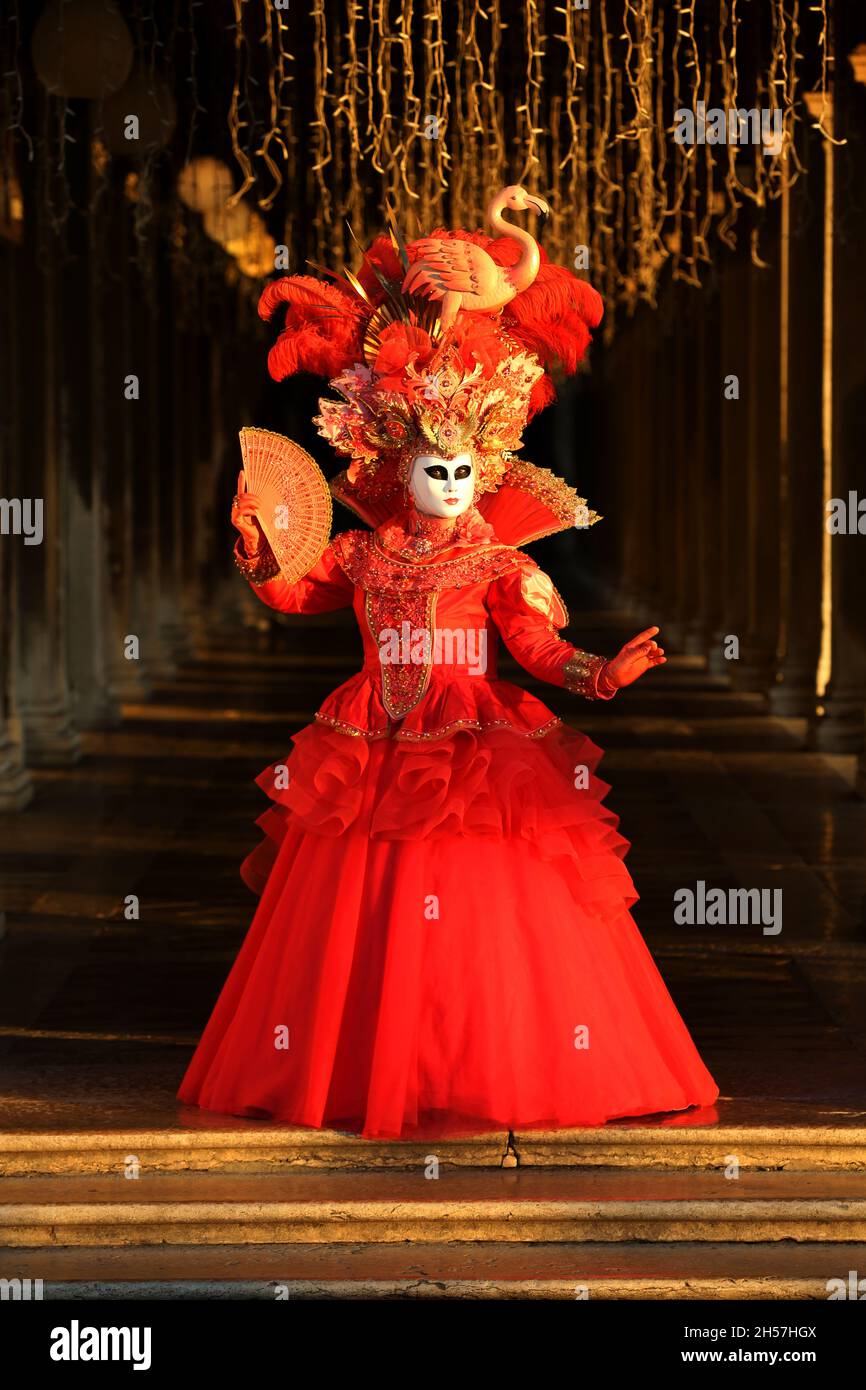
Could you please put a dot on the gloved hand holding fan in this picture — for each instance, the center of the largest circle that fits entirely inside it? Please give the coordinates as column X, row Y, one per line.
column 283, row 489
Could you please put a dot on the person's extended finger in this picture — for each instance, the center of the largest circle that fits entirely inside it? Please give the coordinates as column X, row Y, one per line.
column 641, row 637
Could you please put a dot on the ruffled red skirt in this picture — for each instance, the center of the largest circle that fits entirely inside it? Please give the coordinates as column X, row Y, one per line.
column 443, row 945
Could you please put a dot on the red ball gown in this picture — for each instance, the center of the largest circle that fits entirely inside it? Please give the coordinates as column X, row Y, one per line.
column 443, row 942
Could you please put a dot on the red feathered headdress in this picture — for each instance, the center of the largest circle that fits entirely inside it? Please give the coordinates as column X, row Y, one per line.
column 447, row 343
column 330, row 327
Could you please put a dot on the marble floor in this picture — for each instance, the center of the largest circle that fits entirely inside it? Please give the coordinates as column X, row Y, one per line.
column 99, row 1014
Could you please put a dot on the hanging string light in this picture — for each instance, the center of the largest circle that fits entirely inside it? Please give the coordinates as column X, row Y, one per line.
column 272, row 150
column 638, row 69
column 436, row 111
column 236, row 123
column 346, row 115
column 429, row 106
column 824, row 120
column 321, row 136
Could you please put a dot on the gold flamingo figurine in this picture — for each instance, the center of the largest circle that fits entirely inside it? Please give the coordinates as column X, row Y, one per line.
column 464, row 276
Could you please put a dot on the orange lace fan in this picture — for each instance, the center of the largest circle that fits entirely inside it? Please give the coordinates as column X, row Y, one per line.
column 296, row 510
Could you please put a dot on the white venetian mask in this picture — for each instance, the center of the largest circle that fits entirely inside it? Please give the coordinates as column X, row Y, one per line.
column 442, row 487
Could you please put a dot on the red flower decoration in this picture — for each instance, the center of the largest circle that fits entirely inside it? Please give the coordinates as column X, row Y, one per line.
column 399, row 346
column 477, row 339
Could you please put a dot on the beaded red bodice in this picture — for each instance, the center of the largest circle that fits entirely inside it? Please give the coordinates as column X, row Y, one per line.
column 433, row 599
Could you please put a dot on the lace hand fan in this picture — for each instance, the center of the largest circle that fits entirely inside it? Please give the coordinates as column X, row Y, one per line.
column 296, row 511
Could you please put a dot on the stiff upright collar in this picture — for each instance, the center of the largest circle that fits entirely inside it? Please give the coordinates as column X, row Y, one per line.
column 414, row 535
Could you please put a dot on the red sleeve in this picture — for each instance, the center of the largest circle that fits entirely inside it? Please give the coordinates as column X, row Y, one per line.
column 527, row 610
column 324, row 589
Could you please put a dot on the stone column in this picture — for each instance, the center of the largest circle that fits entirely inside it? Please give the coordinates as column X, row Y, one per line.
column 731, row 360
column 15, row 786
column 631, row 410
column 178, row 497
column 841, row 727
column 41, row 682
column 151, row 509
column 220, row 590
column 760, row 505
column 202, row 497
column 123, row 417
column 82, row 383
column 674, row 516
column 701, row 581
column 801, row 512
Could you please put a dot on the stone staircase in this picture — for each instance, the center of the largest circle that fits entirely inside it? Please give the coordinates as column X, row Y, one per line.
column 263, row 1212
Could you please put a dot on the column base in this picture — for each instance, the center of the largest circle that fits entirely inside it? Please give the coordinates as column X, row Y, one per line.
column 176, row 643
column 694, row 639
column 130, row 680
column 840, row 731
column 50, row 737
column 755, row 673
column 717, row 663
column 793, row 699
column 100, row 711
column 16, row 788
column 164, row 666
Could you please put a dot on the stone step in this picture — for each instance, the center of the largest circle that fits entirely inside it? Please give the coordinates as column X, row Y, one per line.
column 494, row 1270
column 460, row 1205
column 230, row 1149
column 246, row 1147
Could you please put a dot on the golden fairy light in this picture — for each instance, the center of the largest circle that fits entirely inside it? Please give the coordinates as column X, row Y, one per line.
column 346, row 120
column 11, row 200
column 321, row 136
column 236, row 124
column 428, row 107
column 824, row 121
column 273, row 144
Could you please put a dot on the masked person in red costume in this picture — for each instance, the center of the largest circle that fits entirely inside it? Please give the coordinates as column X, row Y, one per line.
column 443, row 942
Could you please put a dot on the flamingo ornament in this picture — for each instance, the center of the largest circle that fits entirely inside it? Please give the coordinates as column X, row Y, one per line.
column 462, row 275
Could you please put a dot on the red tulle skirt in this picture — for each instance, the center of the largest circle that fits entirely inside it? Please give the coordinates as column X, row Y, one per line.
column 443, row 945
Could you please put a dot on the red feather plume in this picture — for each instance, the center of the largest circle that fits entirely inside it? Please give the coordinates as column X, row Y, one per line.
column 555, row 316
column 324, row 327
column 382, row 255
